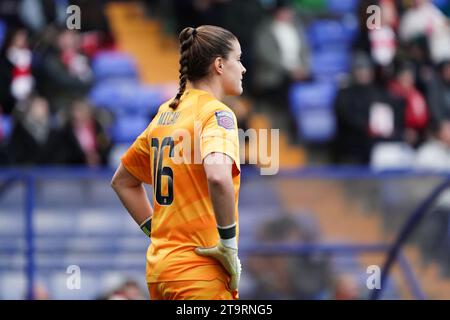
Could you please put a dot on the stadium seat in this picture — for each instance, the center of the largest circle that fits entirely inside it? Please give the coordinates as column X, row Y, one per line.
column 51, row 222
column 350, row 24
column 63, row 194
column 330, row 64
column 332, row 33
column 101, row 195
column 113, row 65
column 128, row 224
column 135, row 241
column 12, row 257
column 392, row 155
column 126, row 260
column 145, row 100
column 317, row 126
column 113, row 94
column 95, row 222
column 12, row 285
column 312, row 106
column 88, row 243
column 6, row 125
column 127, row 128
column 3, row 29
column 9, row 244
column 441, row 3
column 12, row 223
column 88, row 260
column 339, row 6
column 126, row 97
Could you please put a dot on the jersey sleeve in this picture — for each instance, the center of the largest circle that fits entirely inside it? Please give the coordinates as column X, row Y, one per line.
column 137, row 158
column 220, row 134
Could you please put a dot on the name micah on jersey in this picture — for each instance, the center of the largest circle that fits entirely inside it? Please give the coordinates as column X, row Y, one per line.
column 168, row 118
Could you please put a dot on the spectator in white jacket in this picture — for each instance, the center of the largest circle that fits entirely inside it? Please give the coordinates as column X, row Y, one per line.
column 426, row 19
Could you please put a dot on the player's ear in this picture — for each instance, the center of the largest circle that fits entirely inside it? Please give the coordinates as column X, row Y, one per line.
column 218, row 65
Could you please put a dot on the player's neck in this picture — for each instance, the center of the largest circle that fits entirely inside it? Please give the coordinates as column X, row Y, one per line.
column 212, row 87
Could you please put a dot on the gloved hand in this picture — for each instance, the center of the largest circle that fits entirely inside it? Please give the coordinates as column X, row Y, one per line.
column 229, row 259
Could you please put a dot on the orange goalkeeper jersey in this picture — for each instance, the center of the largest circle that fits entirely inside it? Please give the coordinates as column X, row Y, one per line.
column 168, row 155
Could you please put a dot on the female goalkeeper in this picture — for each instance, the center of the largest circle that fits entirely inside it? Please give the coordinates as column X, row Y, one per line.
column 190, row 155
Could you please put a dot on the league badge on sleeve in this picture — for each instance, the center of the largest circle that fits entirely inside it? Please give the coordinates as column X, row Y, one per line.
column 225, row 119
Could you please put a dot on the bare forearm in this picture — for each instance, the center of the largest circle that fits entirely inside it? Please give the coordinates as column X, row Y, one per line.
column 135, row 200
column 222, row 197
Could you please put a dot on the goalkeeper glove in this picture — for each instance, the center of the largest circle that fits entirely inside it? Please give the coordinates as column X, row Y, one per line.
column 226, row 252
column 146, row 226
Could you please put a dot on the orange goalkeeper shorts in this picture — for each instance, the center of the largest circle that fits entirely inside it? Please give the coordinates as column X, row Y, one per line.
column 191, row 290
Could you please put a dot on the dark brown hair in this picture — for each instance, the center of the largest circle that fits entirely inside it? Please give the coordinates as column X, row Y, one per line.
column 198, row 49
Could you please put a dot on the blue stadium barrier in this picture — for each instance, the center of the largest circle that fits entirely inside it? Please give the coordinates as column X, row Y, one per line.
column 312, row 106
column 112, row 64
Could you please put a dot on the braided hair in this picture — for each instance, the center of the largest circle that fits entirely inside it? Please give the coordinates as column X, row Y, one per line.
column 186, row 41
column 198, row 49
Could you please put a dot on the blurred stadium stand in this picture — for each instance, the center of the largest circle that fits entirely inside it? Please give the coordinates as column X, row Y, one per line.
column 3, row 29
column 334, row 216
column 312, row 106
column 111, row 65
column 75, row 223
column 78, row 221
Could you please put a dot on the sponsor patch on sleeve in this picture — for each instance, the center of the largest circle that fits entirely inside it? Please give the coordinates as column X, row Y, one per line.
column 225, row 119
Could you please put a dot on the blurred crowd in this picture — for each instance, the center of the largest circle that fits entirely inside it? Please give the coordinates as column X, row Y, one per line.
column 391, row 106
column 399, row 90
column 45, row 76
column 393, row 102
